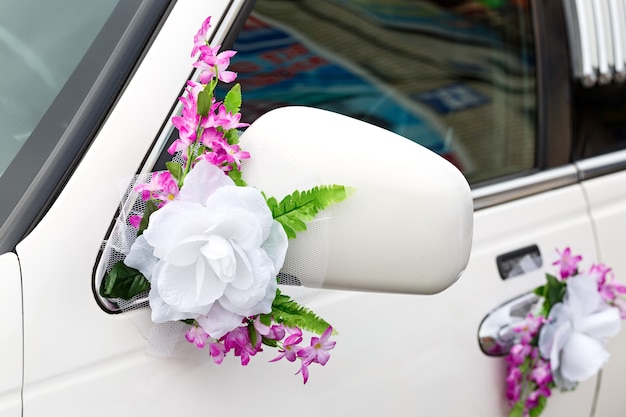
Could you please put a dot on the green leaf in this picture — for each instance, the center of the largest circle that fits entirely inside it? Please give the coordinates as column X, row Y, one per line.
column 517, row 410
column 266, row 319
column 176, row 170
column 151, row 207
column 269, row 342
column 123, row 282
column 555, row 290
column 232, row 136
column 300, row 207
column 232, row 101
column 205, row 97
column 291, row 314
column 252, row 334
column 541, row 404
column 235, row 175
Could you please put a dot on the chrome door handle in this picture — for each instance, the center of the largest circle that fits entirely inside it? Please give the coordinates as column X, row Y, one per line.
column 496, row 333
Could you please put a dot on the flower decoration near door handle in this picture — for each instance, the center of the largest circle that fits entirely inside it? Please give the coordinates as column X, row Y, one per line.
column 560, row 341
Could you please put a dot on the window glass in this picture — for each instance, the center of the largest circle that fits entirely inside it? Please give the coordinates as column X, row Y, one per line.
column 599, row 120
column 456, row 76
column 41, row 43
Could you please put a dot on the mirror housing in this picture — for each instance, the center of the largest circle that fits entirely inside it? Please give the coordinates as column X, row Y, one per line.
column 406, row 229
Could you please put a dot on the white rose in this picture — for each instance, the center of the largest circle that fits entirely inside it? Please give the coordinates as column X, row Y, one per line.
column 212, row 254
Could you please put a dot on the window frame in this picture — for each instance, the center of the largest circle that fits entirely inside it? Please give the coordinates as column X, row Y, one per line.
column 74, row 117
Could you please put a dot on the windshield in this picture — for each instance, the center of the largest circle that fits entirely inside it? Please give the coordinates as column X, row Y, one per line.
column 41, row 44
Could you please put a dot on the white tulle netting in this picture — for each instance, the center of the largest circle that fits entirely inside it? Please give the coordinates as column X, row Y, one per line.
column 303, row 271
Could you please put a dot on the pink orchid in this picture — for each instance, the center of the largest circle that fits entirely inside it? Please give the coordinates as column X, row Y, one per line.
column 273, row 332
column 541, row 373
column 290, row 348
column 318, row 351
column 197, row 335
column 217, row 352
column 217, row 158
column 513, row 384
column 162, row 186
column 211, row 136
column 200, row 39
column 518, row 353
column 214, row 64
column 234, row 155
column 608, row 287
column 228, row 120
column 239, row 341
column 529, row 328
column 533, row 398
column 187, row 122
column 135, row 221
column 568, row 264
column 305, row 371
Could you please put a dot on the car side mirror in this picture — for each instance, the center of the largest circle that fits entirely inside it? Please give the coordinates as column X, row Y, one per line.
column 406, row 229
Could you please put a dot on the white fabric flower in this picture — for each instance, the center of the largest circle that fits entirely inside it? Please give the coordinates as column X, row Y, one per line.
column 212, row 254
column 573, row 339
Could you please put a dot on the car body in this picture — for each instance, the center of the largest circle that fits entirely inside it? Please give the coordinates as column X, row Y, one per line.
column 546, row 165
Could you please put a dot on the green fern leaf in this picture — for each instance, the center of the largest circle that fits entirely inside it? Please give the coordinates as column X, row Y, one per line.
column 296, row 209
column 292, row 314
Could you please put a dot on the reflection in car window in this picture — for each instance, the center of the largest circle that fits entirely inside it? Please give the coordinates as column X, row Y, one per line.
column 599, row 119
column 456, row 76
column 41, row 43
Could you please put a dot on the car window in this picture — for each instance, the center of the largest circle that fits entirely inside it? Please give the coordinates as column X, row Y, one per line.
column 455, row 76
column 41, row 43
column 599, row 119
column 62, row 65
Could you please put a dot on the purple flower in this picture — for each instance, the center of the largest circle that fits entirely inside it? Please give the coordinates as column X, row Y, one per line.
column 199, row 40
column 197, row 335
column 529, row 328
column 533, row 398
column 228, row 120
column 212, row 138
column 187, row 122
column 233, row 154
column 318, row 351
column 217, row 352
column 518, row 353
column 162, row 186
column 568, row 264
column 513, row 384
column 214, row 64
column 135, row 221
column 238, row 340
column 273, row 332
column 608, row 287
column 541, row 373
column 290, row 348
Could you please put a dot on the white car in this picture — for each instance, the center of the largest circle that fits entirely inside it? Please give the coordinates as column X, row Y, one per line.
column 523, row 97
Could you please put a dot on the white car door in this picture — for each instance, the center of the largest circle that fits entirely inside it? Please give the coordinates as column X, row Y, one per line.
column 11, row 339
column 607, row 197
column 396, row 354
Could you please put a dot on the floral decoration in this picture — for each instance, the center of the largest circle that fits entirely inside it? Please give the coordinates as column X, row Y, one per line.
column 561, row 342
column 209, row 248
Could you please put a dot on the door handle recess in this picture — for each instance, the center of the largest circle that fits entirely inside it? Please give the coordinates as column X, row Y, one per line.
column 496, row 334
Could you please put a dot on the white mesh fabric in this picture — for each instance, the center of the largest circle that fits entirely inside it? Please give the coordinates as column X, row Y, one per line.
column 308, row 254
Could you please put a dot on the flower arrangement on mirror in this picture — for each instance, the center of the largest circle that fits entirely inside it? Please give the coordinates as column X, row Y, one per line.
column 209, row 248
